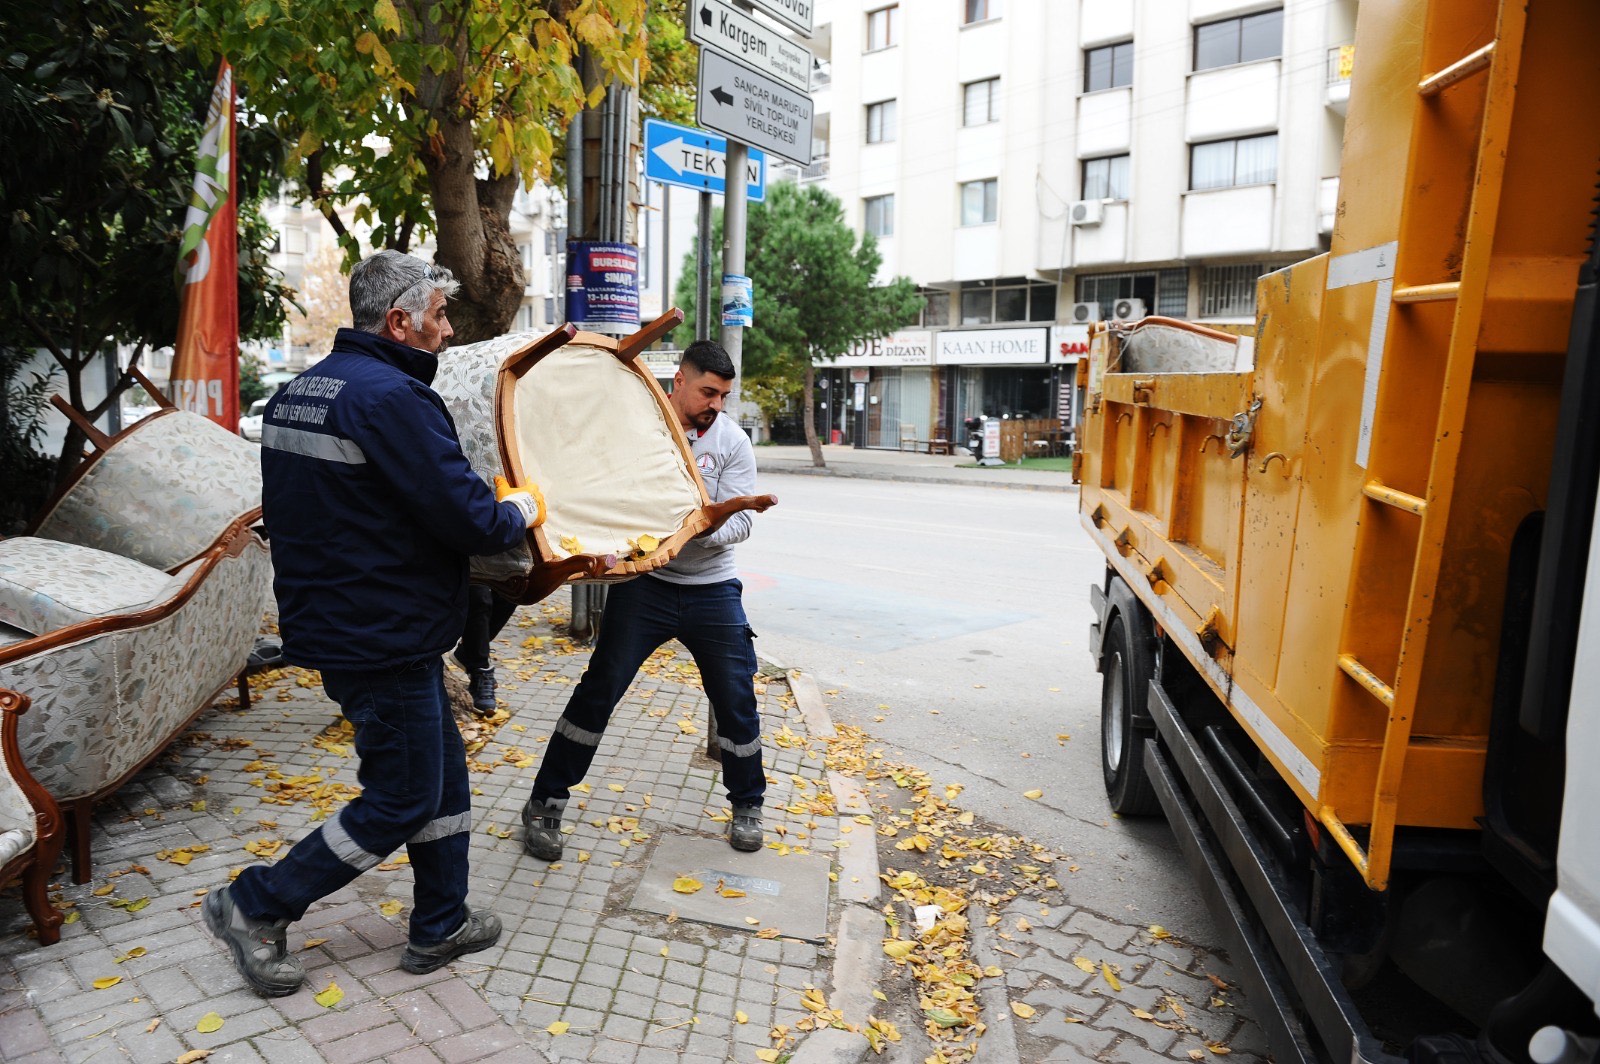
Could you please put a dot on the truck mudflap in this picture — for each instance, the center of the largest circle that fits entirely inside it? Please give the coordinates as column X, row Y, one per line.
column 1286, row 973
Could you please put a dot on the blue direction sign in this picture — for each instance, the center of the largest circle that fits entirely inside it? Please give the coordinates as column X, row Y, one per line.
column 693, row 158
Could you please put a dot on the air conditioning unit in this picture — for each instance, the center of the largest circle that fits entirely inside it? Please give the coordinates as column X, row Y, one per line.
column 1087, row 212
column 1084, row 313
column 1128, row 309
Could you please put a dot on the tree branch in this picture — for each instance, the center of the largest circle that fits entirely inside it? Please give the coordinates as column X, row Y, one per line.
column 319, row 196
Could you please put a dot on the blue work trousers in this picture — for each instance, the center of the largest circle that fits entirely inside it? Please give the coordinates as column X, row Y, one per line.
column 641, row 615
column 414, row 792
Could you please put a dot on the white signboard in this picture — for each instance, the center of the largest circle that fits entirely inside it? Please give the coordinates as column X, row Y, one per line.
column 991, row 347
column 751, row 107
column 800, row 14
column 714, row 24
column 907, row 348
column 1068, row 343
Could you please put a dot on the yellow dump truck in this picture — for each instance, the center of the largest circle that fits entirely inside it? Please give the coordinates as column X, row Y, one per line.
column 1346, row 559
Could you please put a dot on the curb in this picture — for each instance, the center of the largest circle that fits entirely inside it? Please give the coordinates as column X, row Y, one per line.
column 858, row 960
column 902, row 478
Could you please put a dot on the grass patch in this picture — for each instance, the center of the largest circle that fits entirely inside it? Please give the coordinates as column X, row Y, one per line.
column 1049, row 465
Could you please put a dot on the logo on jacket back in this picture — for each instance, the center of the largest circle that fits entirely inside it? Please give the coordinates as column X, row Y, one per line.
column 707, row 463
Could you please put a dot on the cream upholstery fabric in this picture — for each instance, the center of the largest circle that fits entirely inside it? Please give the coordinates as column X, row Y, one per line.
column 45, row 585
column 163, row 493
column 591, row 435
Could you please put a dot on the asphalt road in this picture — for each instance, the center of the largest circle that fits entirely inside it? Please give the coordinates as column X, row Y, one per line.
column 952, row 622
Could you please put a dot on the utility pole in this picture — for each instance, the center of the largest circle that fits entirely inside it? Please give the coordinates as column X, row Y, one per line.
column 735, row 200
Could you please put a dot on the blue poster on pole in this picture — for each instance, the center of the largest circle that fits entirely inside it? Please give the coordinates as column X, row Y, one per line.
column 738, row 300
column 603, row 286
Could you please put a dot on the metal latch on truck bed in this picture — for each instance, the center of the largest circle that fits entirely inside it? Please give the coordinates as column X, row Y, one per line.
column 1241, row 428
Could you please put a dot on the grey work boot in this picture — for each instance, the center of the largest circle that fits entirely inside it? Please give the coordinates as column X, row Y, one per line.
column 541, row 829
column 259, row 946
column 478, row 930
column 744, row 830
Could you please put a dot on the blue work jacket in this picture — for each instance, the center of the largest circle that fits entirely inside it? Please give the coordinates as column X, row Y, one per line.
column 371, row 509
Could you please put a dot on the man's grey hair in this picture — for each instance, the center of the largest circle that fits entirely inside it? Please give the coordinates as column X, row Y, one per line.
column 394, row 279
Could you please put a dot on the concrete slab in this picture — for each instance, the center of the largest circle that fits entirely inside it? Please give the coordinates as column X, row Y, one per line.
column 787, row 892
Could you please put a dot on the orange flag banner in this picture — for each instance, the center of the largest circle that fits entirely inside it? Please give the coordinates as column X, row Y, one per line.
column 205, row 365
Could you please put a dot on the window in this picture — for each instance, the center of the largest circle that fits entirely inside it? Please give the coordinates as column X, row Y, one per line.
column 980, row 102
column 935, row 307
column 980, row 201
column 1164, row 292
column 1239, row 40
column 979, row 11
column 883, row 28
column 1008, row 299
column 1229, row 291
column 878, row 215
column 880, row 122
column 1226, row 163
column 1110, row 67
column 1106, row 178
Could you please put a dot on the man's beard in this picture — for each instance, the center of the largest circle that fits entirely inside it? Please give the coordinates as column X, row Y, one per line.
column 705, row 421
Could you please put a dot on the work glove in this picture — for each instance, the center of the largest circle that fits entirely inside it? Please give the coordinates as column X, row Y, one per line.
column 529, row 500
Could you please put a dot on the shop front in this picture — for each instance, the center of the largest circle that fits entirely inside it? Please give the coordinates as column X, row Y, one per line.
column 880, row 393
column 998, row 373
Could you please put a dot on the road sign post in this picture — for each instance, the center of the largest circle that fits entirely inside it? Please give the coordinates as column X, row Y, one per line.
column 720, row 26
column 694, row 158
column 753, row 109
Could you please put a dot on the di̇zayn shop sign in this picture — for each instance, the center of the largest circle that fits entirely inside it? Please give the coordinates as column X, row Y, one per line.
column 909, row 347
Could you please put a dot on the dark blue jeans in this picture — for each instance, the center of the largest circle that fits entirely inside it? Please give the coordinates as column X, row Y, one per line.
column 641, row 615
column 414, row 792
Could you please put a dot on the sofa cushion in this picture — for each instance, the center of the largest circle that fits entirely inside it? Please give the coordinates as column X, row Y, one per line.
column 46, row 585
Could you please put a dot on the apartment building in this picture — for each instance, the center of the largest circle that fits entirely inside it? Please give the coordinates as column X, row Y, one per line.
column 1034, row 165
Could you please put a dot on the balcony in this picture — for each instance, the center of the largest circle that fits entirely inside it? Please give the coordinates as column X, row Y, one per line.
column 817, row 171
column 1232, row 100
column 1341, row 61
column 1228, row 221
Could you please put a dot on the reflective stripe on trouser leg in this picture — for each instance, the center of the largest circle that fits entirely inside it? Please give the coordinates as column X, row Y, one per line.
column 726, row 656
column 639, row 617
column 439, row 851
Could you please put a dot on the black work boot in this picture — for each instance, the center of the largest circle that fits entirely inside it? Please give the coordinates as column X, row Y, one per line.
column 541, row 829
column 259, row 947
column 479, row 930
column 744, row 830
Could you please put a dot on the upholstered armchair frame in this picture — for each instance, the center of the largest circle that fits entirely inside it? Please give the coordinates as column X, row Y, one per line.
column 36, row 863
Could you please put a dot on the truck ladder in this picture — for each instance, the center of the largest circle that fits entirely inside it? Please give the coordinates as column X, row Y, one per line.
column 1499, row 61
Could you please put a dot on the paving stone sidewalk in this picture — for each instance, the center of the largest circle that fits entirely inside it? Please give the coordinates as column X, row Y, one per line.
column 632, row 987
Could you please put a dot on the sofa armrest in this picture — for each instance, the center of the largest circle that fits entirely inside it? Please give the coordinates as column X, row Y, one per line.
column 24, row 802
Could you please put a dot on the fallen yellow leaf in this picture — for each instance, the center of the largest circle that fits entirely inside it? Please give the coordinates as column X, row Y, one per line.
column 740, row 1016
column 1218, row 1048
column 686, row 885
column 582, row 788
column 210, row 1022
column 767, row 932
column 1035, row 794
column 1110, row 976
column 108, row 982
column 390, row 907
column 331, row 996
column 559, row 1027
column 730, row 892
column 615, row 787
column 313, row 943
column 192, row 1056
column 1022, row 1009
column 1084, row 964
column 770, row 1056
column 899, row 949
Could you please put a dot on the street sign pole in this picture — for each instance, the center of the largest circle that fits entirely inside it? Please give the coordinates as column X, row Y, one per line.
column 703, row 307
column 733, row 228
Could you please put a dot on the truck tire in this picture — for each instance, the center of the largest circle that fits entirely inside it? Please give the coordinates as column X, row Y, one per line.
column 1124, row 688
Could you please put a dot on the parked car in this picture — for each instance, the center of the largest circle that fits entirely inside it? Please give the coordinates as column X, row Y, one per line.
column 250, row 424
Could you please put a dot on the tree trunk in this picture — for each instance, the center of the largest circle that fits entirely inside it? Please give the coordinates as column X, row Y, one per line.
column 473, row 216
column 808, row 398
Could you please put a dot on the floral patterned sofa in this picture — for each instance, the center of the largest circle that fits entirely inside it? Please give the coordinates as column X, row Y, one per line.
column 136, row 598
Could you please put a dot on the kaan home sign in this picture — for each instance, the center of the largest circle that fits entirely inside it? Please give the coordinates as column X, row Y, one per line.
column 991, row 347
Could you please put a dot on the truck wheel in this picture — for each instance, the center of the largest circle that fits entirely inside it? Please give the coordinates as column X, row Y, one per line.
column 1124, row 686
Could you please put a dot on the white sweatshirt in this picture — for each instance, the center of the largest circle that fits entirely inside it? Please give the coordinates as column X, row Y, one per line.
column 727, row 465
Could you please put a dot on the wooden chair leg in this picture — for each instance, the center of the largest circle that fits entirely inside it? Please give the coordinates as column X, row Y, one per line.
column 82, row 815
column 36, row 894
